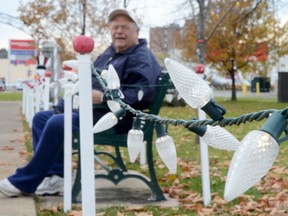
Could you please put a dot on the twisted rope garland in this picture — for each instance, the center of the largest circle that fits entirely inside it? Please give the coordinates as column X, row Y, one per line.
column 249, row 117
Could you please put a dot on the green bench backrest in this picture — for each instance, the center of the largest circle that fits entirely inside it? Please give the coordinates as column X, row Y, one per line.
column 109, row 137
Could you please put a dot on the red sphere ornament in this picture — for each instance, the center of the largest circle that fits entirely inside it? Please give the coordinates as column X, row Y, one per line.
column 199, row 68
column 200, row 41
column 83, row 44
column 47, row 74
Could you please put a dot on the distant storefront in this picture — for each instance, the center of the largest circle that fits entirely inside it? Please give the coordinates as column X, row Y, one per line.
column 14, row 72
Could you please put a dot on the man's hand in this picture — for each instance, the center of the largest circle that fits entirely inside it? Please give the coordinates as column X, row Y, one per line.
column 97, row 97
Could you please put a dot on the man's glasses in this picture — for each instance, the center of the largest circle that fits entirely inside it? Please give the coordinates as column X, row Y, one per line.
column 121, row 27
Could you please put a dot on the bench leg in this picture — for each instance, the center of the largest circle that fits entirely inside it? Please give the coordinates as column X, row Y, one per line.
column 77, row 182
column 119, row 160
column 157, row 192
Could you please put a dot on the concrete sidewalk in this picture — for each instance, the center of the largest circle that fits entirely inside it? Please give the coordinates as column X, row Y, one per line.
column 11, row 145
column 131, row 192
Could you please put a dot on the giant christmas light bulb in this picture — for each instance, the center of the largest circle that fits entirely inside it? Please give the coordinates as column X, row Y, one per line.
column 135, row 140
column 113, row 81
column 108, row 121
column 114, row 106
column 194, row 90
column 70, row 75
column 166, row 148
column 254, row 157
column 216, row 137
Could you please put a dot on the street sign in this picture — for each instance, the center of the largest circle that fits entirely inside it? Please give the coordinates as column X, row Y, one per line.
column 22, row 51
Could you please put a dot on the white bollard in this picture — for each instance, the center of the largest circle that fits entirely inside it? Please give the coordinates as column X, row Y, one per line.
column 67, row 151
column 24, row 91
column 37, row 95
column 30, row 106
column 204, row 165
column 86, row 136
column 46, row 93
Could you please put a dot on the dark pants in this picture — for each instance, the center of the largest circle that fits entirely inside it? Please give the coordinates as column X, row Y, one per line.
column 48, row 139
column 48, row 136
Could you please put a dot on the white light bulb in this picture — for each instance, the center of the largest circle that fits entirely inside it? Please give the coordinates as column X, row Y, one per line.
column 113, row 81
column 76, row 102
column 251, row 161
column 220, row 138
column 169, row 98
column 195, row 91
column 63, row 81
column 113, row 105
column 68, row 87
column 70, row 75
column 104, row 74
column 140, row 94
column 134, row 143
column 75, row 88
column 167, row 152
column 108, row 121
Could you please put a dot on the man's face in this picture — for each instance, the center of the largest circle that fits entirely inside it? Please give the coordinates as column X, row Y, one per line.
column 124, row 33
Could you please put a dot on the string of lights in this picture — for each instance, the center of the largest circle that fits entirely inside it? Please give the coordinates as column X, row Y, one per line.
column 253, row 156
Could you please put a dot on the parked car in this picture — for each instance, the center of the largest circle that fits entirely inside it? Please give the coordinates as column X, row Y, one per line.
column 2, row 85
column 19, row 85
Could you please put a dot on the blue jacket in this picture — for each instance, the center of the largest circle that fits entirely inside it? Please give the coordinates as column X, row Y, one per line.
column 137, row 69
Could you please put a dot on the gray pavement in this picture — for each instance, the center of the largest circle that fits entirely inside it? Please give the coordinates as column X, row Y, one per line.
column 248, row 94
column 131, row 192
column 11, row 146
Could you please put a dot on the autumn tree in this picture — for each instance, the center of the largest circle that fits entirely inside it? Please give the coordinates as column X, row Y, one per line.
column 246, row 40
column 195, row 28
column 62, row 20
column 233, row 35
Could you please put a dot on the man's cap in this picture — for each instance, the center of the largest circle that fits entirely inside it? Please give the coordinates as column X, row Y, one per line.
column 124, row 12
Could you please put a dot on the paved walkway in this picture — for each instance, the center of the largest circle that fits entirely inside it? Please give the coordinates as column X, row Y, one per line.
column 11, row 147
column 127, row 193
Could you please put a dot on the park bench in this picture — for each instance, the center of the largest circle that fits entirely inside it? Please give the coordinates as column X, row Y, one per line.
column 110, row 138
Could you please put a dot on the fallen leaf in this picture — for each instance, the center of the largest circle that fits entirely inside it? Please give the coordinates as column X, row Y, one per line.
column 7, row 148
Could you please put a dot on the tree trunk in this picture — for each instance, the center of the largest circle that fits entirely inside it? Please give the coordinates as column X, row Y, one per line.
column 233, row 90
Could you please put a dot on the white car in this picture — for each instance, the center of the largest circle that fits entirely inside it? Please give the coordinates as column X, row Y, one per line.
column 19, row 85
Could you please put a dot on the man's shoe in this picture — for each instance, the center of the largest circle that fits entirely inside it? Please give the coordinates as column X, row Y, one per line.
column 8, row 189
column 51, row 186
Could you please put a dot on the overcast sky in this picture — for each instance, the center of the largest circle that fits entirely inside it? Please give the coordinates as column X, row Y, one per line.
column 152, row 12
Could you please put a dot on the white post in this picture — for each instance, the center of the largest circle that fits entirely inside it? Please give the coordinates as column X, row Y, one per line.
column 67, row 151
column 27, row 104
column 37, row 95
column 86, row 136
column 30, row 106
column 24, row 94
column 204, row 165
column 46, row 93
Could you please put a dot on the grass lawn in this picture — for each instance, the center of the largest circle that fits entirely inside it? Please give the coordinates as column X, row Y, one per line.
column 11, row 96
column 264, row 198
